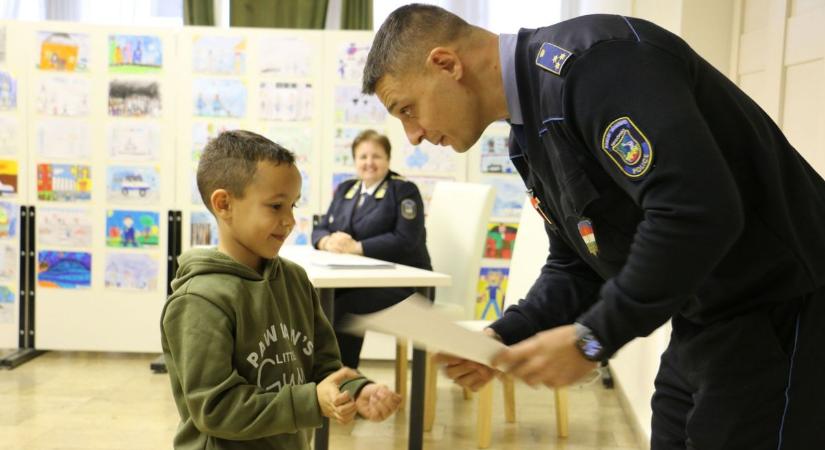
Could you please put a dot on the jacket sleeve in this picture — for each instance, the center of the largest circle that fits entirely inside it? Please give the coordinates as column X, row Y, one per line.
column 565, row 288
column 692, row 209
column 199, row 344
column 323, row 227
column 408, row 230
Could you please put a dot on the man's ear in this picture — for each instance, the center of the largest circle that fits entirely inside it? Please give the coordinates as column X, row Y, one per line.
column 443, row 59
column 221, row 202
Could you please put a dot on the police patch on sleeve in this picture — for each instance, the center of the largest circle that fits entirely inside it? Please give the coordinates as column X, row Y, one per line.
column 552, row 57
column 408, row 209
column 628, row 147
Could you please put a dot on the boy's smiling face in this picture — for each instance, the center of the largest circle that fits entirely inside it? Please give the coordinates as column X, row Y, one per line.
column 255, row 226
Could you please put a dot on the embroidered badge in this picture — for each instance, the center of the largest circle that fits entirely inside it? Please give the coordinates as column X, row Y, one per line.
column 628, row 147
column 408, row 209
column 589, row 238
column 552, row 57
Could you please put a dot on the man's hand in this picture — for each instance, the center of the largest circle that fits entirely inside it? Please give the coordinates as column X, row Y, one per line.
column 466, row 373
column 376, row 402
column 335, row 404
column 550, row 358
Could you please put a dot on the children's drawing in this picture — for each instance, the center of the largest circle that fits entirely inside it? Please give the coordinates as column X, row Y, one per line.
column 196, row 194
column 63, row 139
column 132, row 228
column 8, row 136
column 426, row 185
column 351, row 61
column 213, row 97
column 427, row 157
column 342, row 145
column 64, row 182
column 7, row 313
column 131, row 271
column 8, row 177
column 221, row 55
column 60, row 95
column 9, row 214
column 340, row 177
column 134, row 140
column 64, row 270
column 2, row 44
column 495, row 155
column 134, row 98
column 205, row 131
column 351, row 106
column 8, row 91
column 68, row 52
column 204, row 229
column 296, row 140
column 9, row 261
column 510, row 193
column 302, row 233
column 131, row 184
column 135, row 54
column 285, row 101
column 64, row 227
column 285, row 56
column 306, row 189
column 500, row 239
column 492, row 285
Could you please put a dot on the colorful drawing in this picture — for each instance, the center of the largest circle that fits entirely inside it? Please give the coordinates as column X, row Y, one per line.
column 8, row 136
column 127, row 184
column 351, row 61
column 351, row 106
column 340, row 177
column 492, row 284
column 204, row 229
column 67, row 52
column 285, row 56
column 8, row 177
column 223, row 55
column 9, row 214
column 60, row 95
column 134, row 98
column 285, row 101
column 426, row 185
column 134, row 140
column 8, row 91
column 495, row 155
column 302, row 233
column 63, row 139
column 132, row 228
column 510, row 193
column 135, row 54
column 64, row 182
column 342, row 145
column 64, row 227
column 427, row 157
column 213, row 97
column 500, row 239
column 296, row 140
column 205, row 131
column 9, row 261
column 131, row 271
column 7, row 304
column 65, row 270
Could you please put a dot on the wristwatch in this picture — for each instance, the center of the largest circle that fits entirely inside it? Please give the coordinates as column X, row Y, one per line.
column 587, row 343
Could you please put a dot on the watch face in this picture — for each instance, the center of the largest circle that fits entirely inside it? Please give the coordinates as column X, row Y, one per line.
column 591, row 347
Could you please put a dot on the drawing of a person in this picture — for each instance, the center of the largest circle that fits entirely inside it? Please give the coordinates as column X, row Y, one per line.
column 494, row 280
column 128, row 236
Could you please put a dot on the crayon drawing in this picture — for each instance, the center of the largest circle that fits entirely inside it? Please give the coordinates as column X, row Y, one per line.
column 296, row 140
column 132, row 228
column 135, row 54
column 64, row 227
column 500, row 239
column 219, row 55
column 7, row 302
column 66, row 52
column 426, row 185
column 285, row 56
column 134, row 98
column 63, row 96
column 127, row 184
column 63, row 139
column 510, row 193
column 302, row 233
column 213, row 97
column 351, row 106
column 8, row 136
column 131, row 271
column 352, row 57
column 64, row 270
column 9, row 261
column 205, row 131
column 9, row 215
column 285, row 101
column 204, row 229
column 495, row 155
column 134, row 140
column 8, row 91
column 492, row 284
column 8, row 177
column 427, row 157
column 64, row 182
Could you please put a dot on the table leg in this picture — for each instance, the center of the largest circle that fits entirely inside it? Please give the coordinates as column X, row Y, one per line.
column 419, row 368
column 328, row 305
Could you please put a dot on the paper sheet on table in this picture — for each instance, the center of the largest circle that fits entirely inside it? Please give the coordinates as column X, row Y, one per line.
column 345, row 261
column 416, row 319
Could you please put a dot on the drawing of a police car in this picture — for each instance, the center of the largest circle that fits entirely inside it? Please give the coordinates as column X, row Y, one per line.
column 134, row 183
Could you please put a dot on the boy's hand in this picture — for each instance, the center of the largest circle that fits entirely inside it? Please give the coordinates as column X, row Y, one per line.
column 376, row 402
column 335, row 404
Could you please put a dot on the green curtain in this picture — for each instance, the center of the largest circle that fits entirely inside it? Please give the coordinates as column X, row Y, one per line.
column 199, row 12
column 307, row 14
column 356, row 14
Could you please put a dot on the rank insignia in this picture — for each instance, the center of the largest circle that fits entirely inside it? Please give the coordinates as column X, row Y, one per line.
column 628, row 147
column 589, row 238
column 552, row 57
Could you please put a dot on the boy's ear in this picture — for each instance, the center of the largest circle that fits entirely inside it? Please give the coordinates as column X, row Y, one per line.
column 221, row 202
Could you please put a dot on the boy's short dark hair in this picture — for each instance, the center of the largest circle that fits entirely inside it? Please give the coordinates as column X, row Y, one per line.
column 375, row 137
column 230, row 160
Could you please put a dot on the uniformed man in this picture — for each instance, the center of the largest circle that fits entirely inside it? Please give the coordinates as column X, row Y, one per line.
column 378, row 214
column 667, row 194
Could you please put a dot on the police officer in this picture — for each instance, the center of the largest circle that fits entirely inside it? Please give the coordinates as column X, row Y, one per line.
column 667, row 194
column 379, row 214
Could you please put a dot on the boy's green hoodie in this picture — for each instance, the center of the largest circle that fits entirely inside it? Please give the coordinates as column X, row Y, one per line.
column 244, row 353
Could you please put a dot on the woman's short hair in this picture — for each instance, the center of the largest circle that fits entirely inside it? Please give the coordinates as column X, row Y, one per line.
column 372, row 136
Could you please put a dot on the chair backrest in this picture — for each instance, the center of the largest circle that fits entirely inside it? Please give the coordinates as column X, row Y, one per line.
column 456, row 228
column 530, row 252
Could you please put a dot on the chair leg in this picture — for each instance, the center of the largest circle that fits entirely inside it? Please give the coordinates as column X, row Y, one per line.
column 430, row 393
column 485, row 416
column 561, row 412
column 401, row 350
column 509, row 398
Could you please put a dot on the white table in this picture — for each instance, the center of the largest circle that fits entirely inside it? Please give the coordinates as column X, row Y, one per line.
column 326, row 280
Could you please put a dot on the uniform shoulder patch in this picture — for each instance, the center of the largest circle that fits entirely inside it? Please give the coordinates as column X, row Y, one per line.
column 552, row 58
column 628, row 147
column 409, row 210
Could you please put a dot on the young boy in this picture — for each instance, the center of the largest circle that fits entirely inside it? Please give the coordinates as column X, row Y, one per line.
column 253, row 360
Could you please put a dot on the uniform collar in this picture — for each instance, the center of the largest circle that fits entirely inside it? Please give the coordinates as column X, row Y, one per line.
column 370, row 190
column 507, row 56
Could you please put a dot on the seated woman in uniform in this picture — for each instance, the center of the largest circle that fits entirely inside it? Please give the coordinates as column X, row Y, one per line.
column 379, row 214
